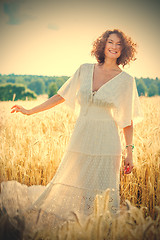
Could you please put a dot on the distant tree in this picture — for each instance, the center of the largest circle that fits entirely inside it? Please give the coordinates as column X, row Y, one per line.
column 58, row 80
column 9, row 91
column 153, row 90
column 27, row 79
column 29, row 94
column 61, row 80
column 48, row 82
column 52, row 90
column 147, row 81
column 10, row 80
column 157, row 81
column 158, row 85
column 141, row 88
column 37, row 86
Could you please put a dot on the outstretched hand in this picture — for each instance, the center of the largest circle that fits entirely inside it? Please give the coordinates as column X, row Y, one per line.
column 128, row 165
column 18, row 108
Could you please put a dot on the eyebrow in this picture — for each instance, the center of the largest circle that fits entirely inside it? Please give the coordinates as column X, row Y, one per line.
column 112, row 40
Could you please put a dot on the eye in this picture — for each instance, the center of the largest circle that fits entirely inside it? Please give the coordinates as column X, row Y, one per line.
column 117, row 43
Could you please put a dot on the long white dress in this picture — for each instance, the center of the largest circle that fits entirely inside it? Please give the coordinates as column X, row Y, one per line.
column 92, row 160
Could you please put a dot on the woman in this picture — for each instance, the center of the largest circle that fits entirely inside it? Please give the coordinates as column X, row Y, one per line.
column 109, row 102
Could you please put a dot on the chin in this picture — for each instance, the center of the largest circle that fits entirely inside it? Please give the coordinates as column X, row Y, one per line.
column 113, row 56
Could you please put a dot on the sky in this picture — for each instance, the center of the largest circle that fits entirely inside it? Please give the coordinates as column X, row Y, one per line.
column 53, row 37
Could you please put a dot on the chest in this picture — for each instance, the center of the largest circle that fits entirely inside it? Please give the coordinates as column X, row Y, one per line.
column 100, row 78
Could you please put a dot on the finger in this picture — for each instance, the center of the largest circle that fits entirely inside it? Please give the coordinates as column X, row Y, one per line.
column 130, row 171
column 126, row 166
column 13, row 111
column 16, row 110
column 16, row 106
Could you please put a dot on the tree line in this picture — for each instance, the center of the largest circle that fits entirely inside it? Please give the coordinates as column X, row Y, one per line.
column 28, row 86
column 148, row 86
column 15, row 87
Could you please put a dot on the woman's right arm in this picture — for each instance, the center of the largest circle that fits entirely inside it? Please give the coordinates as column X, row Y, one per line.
column 51, row 102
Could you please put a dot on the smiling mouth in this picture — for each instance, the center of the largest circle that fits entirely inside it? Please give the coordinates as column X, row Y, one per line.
column 113, row 52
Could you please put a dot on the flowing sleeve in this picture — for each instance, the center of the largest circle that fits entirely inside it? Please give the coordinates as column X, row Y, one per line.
column 127, row 105
column 70, row 88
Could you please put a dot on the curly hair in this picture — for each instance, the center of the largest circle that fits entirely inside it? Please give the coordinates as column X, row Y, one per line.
column 128, row 47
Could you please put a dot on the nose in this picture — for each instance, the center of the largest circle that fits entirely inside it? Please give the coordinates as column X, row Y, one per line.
column 114, row 45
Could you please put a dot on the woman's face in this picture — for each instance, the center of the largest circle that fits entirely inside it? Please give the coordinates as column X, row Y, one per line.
column 113, row 46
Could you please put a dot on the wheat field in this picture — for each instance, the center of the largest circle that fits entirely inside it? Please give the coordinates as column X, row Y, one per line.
column 32, row 147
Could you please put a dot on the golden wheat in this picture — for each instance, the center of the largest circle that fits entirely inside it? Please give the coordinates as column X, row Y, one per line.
column 132, row 224
column 33, row 146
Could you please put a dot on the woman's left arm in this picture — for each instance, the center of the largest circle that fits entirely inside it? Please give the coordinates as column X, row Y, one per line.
column 128, row 134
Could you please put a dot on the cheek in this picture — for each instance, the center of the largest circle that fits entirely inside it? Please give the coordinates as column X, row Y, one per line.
column 108, row 45
column 120, row 48
column 119, row 54
column 106, row 50
column 120, row 51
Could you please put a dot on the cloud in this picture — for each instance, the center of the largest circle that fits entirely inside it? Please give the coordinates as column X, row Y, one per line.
column 15, row 13
column 53, row 26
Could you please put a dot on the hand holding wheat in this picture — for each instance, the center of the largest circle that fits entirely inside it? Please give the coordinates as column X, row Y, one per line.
column 128, row 165
column 18, row 108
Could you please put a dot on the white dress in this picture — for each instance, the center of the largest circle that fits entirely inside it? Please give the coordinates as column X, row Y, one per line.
column 92, row 160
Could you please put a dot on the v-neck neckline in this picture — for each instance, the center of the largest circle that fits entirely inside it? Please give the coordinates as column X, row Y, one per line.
column 93, row 68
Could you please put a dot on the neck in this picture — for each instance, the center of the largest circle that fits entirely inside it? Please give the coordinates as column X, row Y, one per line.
column 110, row 64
